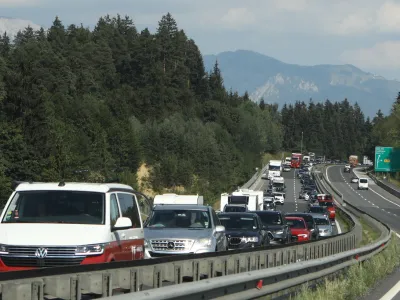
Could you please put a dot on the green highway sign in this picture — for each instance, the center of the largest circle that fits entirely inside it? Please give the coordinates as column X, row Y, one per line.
column 383, row 159
column 387, row 159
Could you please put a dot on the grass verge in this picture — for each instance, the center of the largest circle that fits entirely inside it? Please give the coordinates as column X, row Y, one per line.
column 370, row 234
column 358, row 279
column 344, row 225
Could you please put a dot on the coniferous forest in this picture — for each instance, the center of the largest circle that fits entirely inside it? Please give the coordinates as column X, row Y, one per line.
column 95, row 105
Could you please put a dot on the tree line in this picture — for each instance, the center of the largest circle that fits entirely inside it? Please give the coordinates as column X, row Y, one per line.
column 95, row 105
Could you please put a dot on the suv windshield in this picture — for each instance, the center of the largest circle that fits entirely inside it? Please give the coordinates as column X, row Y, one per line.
column 238, row 222
column 294, row 223
column 317, row 209
column 321, row 221
column 271, row 219
column 176, row 218
column 326, row 203
column 74, row 207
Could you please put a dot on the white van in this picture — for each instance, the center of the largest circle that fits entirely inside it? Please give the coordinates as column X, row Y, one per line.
column 65, row 224
column 363, row 184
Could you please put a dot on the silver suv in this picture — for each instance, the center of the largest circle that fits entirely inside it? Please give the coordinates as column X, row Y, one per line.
column 173, row 229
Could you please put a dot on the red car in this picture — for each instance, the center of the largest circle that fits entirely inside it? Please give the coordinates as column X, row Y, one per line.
column 330, row 207
column 299, row 229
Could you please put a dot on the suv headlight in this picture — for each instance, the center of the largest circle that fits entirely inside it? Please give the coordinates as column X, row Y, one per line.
column 146, row 243
column 279, row 232
column 250, row 239
column 94, row 249
column 3, row 249
column 205, row 242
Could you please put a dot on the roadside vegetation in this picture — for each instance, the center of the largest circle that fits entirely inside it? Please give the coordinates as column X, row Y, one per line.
column 370, row 234
column 358, row 279
column 138, row 107
column 344, row 224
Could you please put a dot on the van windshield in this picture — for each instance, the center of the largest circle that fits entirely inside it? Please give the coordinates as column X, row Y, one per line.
column 73, row 207
column 274, row 168
column 363, row 180
column 177, row 218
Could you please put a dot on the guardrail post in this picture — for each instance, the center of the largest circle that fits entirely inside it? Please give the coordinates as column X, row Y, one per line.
column 107, row 285
column 196, row 270
column 157, row 278
column 75, row 289
column 37, row 290
column 178, row 274
column 211, row 270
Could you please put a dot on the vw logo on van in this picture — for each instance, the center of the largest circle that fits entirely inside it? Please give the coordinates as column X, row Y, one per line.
column 41, row 253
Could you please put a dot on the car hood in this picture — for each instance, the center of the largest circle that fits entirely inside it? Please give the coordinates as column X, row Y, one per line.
column 323, row 227
column 240, row 233
column 296, row 231
column 275, row 227
column 176, row 233
column 23, row 234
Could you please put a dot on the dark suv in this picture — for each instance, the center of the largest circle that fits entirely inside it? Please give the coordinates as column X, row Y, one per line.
column 312, row 226
column 278, row 230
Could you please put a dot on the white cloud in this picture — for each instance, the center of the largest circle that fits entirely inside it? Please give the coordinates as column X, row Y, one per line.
column 388, row 17
column 238, row 18
column 385, row 55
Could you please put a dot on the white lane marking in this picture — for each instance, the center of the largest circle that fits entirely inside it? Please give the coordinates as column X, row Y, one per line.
column 392, row 292
column 384, row 198
column 339, row 230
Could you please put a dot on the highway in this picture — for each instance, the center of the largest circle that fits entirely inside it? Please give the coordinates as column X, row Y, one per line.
column 379, row 204
column 293, row 187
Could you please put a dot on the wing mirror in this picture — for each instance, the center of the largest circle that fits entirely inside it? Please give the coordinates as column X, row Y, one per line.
column 122, row 223
column 219, row 229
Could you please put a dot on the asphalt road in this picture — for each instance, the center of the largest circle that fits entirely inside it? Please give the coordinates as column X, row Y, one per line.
column 375, row 201
column 379, row 204
column 293, row 187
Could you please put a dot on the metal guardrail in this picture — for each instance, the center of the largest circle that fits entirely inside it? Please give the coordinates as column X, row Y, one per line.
column 232, row 274
column 390, row 189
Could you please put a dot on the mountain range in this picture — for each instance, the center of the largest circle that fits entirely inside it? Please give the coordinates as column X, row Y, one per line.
column 11, row 26
column 264, row 77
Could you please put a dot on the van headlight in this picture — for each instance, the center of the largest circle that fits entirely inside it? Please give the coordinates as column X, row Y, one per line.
column 3, row 249
column 94, row 249
column 204, row 242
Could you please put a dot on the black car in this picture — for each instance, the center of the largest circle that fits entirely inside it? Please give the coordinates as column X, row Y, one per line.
column 244, row 230
column 317, row 209
column 312, row 226
column 278, row 230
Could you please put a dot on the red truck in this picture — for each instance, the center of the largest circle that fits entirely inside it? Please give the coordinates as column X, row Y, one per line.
column 296, row 160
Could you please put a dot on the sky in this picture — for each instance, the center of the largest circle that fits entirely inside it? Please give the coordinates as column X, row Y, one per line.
column 365, row 33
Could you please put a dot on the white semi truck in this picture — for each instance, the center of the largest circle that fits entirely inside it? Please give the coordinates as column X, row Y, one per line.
column 274, row 168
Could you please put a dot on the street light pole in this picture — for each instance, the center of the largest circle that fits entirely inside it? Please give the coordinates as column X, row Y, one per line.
column 301, row 150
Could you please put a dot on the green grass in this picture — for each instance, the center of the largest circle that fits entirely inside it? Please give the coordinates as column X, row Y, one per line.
column 344, row 224
column 370, row 234
column 359, row 278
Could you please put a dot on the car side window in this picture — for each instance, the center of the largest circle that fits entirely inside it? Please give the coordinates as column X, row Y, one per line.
column 216, row 220
column 129, row 209
column 114, row 211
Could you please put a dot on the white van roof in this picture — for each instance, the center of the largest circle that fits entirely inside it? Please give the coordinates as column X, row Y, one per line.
column 178, row 199
column 73, row 186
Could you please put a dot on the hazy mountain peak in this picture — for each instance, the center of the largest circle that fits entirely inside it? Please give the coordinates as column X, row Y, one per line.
column 12, row 25
column 278, row 82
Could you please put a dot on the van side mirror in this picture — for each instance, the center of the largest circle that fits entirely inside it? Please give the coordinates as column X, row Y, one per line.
column 122, row 223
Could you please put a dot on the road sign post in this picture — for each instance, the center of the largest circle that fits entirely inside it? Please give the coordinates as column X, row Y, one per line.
column 383, row 159
column 387, row 159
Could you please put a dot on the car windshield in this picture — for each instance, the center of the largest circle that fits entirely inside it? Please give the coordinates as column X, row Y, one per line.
column 317, row 209
column 274, row 168
column 308, row 218
column 295, row 223
column 321, row 221
column 235, row 209
column 271, row 219
column 238, row 222
column 73, row 207
column 176, row 218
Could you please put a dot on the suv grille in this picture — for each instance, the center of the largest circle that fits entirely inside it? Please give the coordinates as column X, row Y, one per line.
column 171, row 245
column 24, row 256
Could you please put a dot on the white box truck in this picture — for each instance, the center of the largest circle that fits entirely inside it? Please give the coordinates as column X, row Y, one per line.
column 274, row 168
